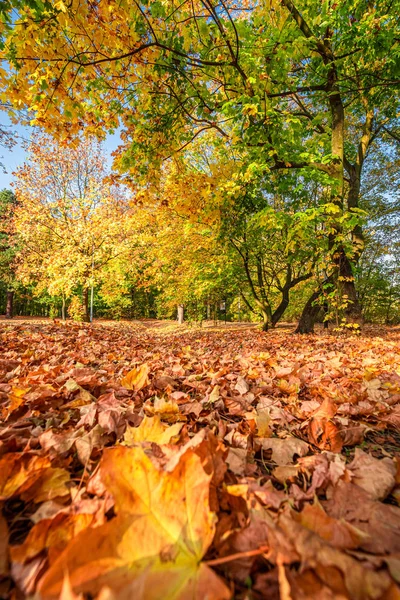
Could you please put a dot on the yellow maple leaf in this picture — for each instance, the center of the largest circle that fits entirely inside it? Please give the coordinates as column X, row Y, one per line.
column 151, row 429
column 154, row 546
column 137, row 378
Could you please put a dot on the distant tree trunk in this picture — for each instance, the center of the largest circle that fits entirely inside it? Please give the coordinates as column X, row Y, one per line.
column 265, row 324
column 86, row 316
column 63, row 308
column 10, row 304
column 180, row 314
column 326, row 310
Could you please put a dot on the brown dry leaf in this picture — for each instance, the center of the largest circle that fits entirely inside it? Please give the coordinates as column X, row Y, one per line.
column 338, row 533
column 237, row 460
column 153, row 547
column 242, row 386
column 84, row 441
column 340, row 572
column 136, row 379
column 284, row 450
column 375, row 476
column 151, row 429
column 380, row 521
column 322, row 431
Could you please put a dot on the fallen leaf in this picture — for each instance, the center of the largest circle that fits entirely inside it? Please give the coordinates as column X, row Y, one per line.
column 151, row 429
column 155, row 543
column 284, row 450
column 136, row 379
column 323, row 432
column 242, row 386
column 31, row 477
column 375, row 476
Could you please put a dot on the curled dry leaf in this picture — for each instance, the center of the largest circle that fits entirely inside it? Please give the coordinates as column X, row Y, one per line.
column 323, row 432
column 377, row 477
column 242, row 386
column 338, row 533
column 31, row 477
column 353, row 579
column 51, row 535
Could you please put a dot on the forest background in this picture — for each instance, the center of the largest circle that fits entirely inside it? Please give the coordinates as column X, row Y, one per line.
column 257, row 177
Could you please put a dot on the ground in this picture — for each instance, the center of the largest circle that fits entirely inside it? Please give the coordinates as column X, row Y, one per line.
column 149, row 460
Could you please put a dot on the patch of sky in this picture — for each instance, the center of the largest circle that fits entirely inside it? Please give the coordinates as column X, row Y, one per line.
column 11, row 158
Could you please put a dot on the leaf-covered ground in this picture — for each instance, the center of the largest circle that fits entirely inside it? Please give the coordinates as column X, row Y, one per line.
column 151, row 463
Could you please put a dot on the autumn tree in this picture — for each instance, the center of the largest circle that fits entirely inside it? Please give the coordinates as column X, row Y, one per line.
column 71, row 223
column 8, row 248
column 294, row 85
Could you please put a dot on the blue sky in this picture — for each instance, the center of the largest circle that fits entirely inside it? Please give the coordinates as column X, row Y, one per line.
column 11, row 159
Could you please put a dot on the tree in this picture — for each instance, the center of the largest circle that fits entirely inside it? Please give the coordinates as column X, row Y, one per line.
column 291, row 85
column 8, row 249
column 71, row 223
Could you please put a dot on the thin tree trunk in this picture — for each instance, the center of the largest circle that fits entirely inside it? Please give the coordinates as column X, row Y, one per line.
column 265, row 324
column 10, row 304
column 63, row 308
column 180, row 314
column 86, row 316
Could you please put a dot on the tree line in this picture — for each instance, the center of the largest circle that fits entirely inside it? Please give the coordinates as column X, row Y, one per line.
column 253, row 135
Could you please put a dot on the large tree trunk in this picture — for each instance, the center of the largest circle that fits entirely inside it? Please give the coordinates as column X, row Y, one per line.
column 346, row 283
column 180, row 314
column 309, row 315
column 311, row 310
column 10, row 304
column 86, row 315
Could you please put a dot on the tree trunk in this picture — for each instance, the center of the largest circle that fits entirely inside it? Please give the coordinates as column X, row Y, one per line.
column 180, row 314
column 309, row 314
column 347, row 286
column 326, row 310
column 265, row 324
column 10, row 304
column 208, row 310
column 86, row 316
column 284, row 303
column 311, row 309
column 63, row 308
